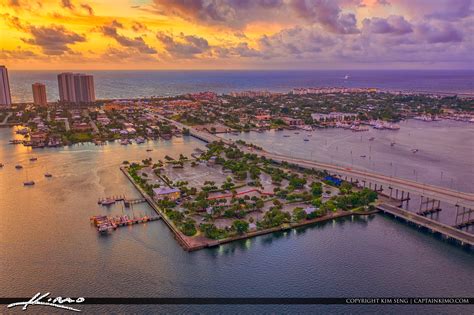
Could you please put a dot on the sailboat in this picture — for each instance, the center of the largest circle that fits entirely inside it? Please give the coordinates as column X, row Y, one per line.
column 346, row 77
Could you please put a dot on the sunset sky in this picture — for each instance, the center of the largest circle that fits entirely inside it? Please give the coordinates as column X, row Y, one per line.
column 237, row 34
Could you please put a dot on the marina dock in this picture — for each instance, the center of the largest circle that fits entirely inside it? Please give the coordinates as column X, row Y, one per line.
column 105, row 224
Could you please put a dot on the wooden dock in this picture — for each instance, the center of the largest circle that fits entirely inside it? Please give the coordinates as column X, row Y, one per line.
column 448, row 232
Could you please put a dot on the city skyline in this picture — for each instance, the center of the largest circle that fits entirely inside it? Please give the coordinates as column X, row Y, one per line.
column 231, row 34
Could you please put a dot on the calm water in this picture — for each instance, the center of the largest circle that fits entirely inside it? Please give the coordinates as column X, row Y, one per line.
column 47, row 244
column 133, row 84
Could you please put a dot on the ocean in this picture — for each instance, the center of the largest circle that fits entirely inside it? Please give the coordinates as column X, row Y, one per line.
column 136, row 84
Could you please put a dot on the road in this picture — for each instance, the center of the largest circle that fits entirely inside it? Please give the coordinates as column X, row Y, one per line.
column 440, row 193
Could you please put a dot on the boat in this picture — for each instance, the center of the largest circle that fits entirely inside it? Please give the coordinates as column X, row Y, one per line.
column 1, row 165
column 363, row 156
column 140, row 140
column 371, row 139
column 379, row 126
column 107, row 202
column 33, row 159
column 414, row 150
column 305, row 139
column 48, row 175
column 18, row 167
column 392, row 127
column 149, row 150
column 29, row 183
column 392, row 144
column 346, row 77
column 22, row 131
column 297, row 133
column 286, row 136
column 16, row 141
column 124, row 142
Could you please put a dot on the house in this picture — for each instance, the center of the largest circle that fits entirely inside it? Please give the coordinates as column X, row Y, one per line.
column 38, row 138
column 292, row 121
column 81, row 127
column 166, row 193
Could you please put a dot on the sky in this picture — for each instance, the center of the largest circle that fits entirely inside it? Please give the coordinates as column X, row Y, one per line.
column 236, row 34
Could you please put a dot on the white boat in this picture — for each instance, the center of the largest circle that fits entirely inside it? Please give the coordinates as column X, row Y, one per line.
column 346, row 77
column 414, row 150
column 392, row 126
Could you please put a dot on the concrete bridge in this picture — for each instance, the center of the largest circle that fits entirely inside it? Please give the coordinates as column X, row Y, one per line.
column 435, row 227
column 463, row 199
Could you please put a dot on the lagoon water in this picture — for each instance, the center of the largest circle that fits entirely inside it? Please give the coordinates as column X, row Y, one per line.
column 47, row 244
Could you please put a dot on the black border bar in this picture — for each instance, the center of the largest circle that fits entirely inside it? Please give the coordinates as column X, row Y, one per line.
column 262, row 301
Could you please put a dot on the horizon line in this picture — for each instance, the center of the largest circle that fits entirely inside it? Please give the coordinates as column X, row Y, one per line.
column 246, row 69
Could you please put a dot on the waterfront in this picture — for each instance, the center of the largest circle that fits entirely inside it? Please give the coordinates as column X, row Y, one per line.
column 135, row 84
column 51, row 220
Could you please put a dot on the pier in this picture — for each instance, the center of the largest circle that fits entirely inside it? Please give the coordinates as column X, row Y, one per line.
column 105, row 224
column 435, row 227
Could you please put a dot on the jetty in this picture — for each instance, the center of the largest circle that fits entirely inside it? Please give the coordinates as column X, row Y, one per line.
column 105, row 224
column 435, row 227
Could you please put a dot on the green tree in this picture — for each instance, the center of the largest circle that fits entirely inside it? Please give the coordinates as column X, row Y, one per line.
column 240, row 226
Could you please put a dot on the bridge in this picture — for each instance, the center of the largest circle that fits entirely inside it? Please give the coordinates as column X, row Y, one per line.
column 434, row 192
column 435, row 227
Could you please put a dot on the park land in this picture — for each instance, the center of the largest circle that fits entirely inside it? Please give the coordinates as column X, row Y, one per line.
column 225, row 194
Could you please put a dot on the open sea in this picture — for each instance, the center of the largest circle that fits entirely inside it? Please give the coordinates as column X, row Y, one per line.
column 48, row 245
column 135, row 84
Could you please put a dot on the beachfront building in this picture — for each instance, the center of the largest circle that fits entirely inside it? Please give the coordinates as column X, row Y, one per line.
column 76, row 88
column 39, row 94
column 166, row 193
column 5, row 96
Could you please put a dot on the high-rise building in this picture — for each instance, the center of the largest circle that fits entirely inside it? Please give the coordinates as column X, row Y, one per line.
column 5, row 96
column 39, row 94
column 76, row 88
